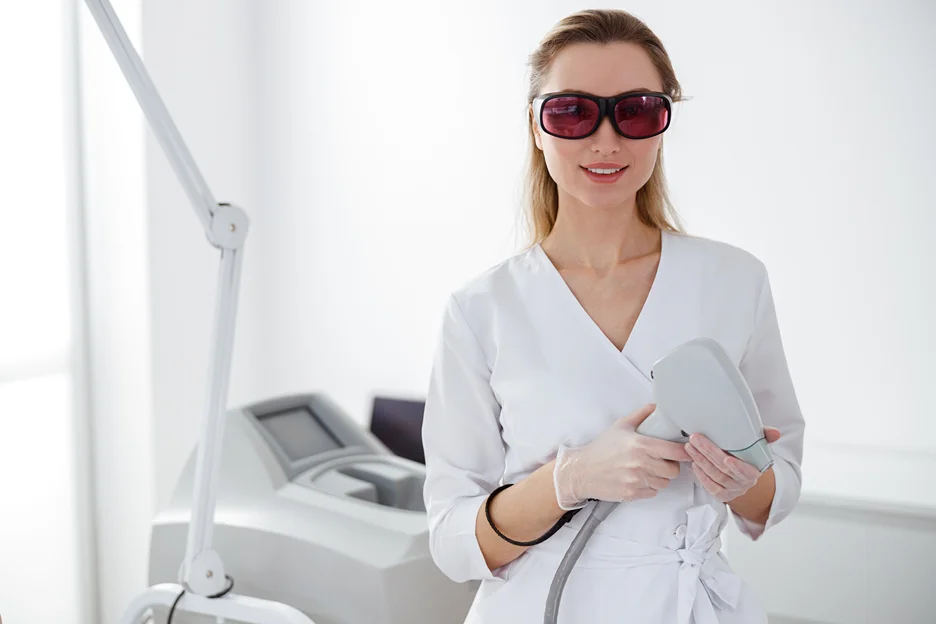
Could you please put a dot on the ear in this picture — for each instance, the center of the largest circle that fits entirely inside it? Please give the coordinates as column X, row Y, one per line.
column 537, row 137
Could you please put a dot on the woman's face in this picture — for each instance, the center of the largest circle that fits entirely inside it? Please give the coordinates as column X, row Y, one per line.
column 604, row 71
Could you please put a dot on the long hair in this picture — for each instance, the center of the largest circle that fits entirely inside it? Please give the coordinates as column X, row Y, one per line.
column 597, row 26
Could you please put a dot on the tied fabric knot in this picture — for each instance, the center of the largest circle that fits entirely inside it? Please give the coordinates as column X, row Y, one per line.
column 700, row 567
column 691, row 558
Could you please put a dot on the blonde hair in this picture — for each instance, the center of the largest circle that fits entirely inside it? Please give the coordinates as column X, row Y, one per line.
column 602, row 27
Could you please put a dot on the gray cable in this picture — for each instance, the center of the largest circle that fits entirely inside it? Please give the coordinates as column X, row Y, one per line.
column 601, row 511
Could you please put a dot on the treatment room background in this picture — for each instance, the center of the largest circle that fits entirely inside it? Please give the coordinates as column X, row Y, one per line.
column 808, row 140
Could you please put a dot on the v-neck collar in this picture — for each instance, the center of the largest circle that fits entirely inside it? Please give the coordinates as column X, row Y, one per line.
column 636, row 347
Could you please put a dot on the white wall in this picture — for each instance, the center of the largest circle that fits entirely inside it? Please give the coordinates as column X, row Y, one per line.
column 843, row 563
column 364, row 230
column 121, row 428
column 829, row 154
column 806, row 143
column 201, row 57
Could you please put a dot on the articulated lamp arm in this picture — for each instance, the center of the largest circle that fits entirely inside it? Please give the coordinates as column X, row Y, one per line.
column 202, row 571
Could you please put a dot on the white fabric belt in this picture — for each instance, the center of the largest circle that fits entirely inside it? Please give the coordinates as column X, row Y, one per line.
column 700, row 568
column 701, row 565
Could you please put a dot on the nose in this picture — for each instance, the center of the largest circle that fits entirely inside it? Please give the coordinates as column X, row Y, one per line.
column 606, row 140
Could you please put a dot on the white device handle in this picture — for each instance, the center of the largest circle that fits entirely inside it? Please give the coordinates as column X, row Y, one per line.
column 657, row 425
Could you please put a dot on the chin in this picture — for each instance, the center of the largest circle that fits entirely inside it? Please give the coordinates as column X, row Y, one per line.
column 605, row 201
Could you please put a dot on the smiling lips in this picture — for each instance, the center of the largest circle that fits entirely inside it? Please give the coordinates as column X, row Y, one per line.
column 604, row 172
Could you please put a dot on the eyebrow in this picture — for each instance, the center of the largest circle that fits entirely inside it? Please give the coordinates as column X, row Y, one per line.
column 629, row 91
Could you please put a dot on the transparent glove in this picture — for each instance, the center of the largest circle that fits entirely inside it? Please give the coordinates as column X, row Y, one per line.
column 620, row 465
column 723, row 476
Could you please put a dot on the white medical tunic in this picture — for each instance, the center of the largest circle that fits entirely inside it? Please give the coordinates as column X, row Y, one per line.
column 521, row 369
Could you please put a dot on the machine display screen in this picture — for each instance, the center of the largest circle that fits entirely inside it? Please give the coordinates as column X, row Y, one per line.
column 299, row 433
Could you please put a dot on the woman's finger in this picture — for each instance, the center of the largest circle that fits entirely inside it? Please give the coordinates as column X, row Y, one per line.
column 710, row 486
column 642, row 494
column 710, row 450
column 743, row 471
column 714, row 472
column 657, row 483
column 663, row 467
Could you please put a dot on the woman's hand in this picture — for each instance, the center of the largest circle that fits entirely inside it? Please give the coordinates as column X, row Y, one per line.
column 619, row 465
column 722, row 475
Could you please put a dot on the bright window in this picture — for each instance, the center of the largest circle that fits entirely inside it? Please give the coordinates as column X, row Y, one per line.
column 39, row 564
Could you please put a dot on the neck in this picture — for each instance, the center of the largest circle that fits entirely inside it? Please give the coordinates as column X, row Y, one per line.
column 598, row 238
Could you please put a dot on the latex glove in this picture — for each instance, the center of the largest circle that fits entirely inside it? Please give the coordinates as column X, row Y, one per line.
column 724, row 476
column 619, row 465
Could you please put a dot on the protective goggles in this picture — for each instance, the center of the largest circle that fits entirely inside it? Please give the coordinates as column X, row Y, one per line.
column 578, row 115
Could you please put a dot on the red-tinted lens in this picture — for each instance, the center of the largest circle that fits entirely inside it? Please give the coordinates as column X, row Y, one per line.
column 641, row 115
column 569, row 116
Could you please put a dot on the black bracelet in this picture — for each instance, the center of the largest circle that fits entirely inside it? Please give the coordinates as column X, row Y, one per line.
column 487, row 512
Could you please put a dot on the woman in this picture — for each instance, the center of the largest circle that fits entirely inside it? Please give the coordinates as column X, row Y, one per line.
column 542, row 373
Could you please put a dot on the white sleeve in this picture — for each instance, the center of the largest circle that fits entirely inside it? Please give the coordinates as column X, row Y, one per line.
column 764, row 367
column 463, row 448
